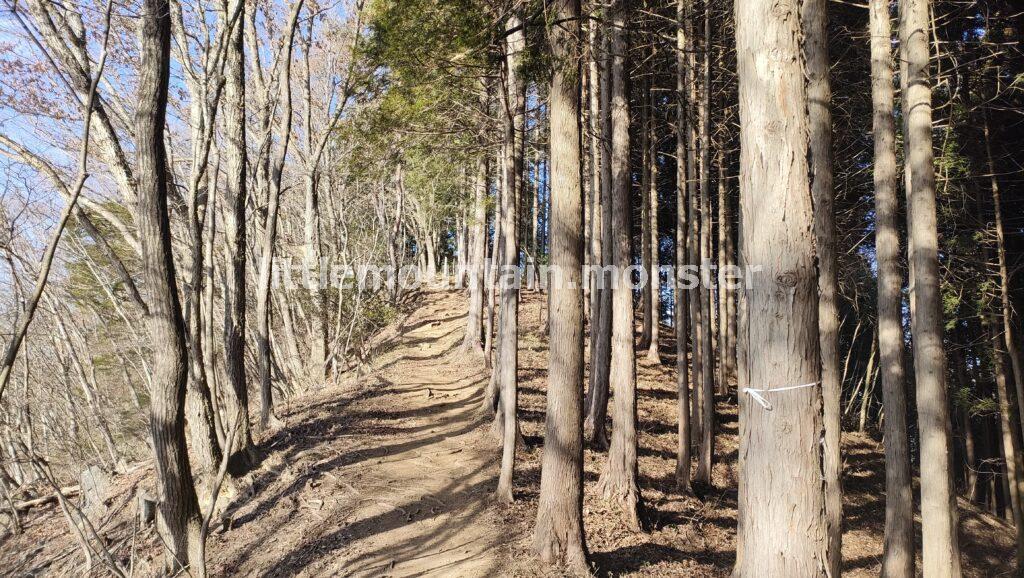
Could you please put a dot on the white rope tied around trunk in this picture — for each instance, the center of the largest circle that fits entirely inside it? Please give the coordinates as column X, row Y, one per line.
column 758, row 394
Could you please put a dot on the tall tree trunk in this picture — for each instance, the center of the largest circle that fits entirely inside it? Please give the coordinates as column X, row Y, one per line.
column 814, row 17
column 731, row 354
column 491, row 276
column 209, row 325
column 316, row 365
column 681, row 308
column 589, row 192
column 898, row 551
column 938, row 499
column 618, row 482
column 780, row 429
column 654, row 305
column 559, row 534
column 477, row 253
column 707, row 382
column 317, row 362
column 179, row 508
column 199, row 406
column 269, row 241
column 493, row 337
column 1008, row 427
column 596, row 241
column 535, row 219
column 235, row 247
column 202, row 431
column 645, row 210
column 508, row 350
column 1004, row 275
column 722, row 378
column 594, row 428
column 1009, row 405
column 693, row 243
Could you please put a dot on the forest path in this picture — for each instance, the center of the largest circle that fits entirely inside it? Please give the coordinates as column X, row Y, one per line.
column 392, row 476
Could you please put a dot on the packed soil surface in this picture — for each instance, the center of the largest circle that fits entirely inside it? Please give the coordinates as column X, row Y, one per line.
column 391, row 472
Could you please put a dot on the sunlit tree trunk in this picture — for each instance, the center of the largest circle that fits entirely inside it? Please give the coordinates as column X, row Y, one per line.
column 268, row 243
column 507, row 366
column 654, row 305
column 618, row 482
column 898, row 551
column 558, row 536
column 941, row 555
column 722, row 377
column 780, row 438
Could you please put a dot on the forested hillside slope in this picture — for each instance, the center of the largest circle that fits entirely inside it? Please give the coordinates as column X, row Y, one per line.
column 391, row 472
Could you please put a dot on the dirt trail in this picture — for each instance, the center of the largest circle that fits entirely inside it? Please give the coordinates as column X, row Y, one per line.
column 387, row 474
column 426, row 498
column 393, row 478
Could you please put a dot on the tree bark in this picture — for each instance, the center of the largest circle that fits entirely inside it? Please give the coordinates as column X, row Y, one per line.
column 898, row 551
column 267, row 244
column 722, row 378
column 477, row 253
column 618, row 481
column 491, row 275
column 654, row 305
column 780, row 479
column 645, row 210
column 508, row 351
column 235, row 246
column 814, row 17
column 1008, row 426
column 594, row 206
column 681, row 308
column 941, row 555
column 707, row 365
column 534, row 281
column 312, row 252
column 179, row 509
column 558, row 536
column 1004, row 275
column 1009, row 405
column 693, row 243
column 594, row 428
column 198, row 402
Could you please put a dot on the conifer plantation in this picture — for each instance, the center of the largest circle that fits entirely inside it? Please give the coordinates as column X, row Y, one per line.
column 512, row 288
